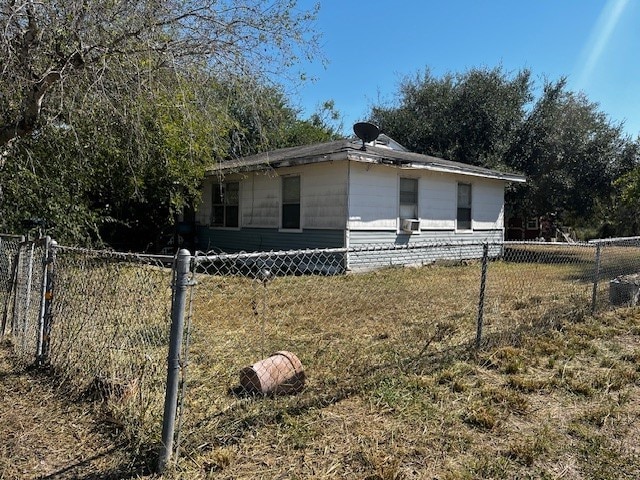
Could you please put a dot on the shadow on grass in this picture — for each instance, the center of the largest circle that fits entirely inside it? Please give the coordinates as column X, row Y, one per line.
column 78, row 470
column 613, row 261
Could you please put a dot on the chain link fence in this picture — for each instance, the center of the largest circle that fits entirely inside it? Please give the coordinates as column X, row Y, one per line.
column 9, row 245
column 99, row 321
column 271, row 335
column 111, row 319
column 24, row 300
column 294, row 323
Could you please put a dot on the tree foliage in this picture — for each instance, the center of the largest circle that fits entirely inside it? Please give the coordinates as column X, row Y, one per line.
column 112, row 110
column 570, row 151
column 118, row 176
column 80, row 47
column 469, row 117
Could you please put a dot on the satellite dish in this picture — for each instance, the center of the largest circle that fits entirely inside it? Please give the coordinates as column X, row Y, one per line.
column 367, row 132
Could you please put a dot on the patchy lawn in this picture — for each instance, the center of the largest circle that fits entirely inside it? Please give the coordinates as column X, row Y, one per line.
column 47, row 435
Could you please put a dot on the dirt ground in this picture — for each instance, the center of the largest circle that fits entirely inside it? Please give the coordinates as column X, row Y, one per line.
column 45, row 436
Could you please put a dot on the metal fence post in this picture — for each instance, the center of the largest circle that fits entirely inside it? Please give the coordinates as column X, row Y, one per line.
column 27, row 299
column 181, row 281
column 43, row 291
column 11, row 288
column 46, row 315
column 483, row 284
column 596, row 279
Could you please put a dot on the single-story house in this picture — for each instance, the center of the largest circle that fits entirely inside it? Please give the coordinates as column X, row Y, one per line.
column 348, row 193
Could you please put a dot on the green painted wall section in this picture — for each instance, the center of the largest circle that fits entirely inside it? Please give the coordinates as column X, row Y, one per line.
column 265, row 239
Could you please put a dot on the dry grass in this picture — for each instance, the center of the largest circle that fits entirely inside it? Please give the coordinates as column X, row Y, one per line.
column 47, row 435
column 395, row 388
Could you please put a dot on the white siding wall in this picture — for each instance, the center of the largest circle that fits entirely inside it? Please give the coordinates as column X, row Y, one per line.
column 324, row 195
column 323, row 192
column 373, row 197
column 374, row 203
column 437, row 201
column 487, row 202
column 203, row 209
column 260, row 200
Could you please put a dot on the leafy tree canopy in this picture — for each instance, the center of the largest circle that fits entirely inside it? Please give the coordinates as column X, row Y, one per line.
column 111, row 111
column 55, row 53
column 570, row 151
column 117, row 175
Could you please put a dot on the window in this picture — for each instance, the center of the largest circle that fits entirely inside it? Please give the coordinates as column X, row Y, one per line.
column 225, row 202
column 532, row 223
column 408, row 198
column 291, row 202
column 464, row 206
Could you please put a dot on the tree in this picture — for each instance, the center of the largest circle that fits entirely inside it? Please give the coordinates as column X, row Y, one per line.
column 567, row 147
column 468, row 117
column 119, row 174
column 114, row 109
column 571, row 154
column 54, row 53
column 623, row 215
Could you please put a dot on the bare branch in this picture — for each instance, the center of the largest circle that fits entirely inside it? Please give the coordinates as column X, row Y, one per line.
column 47, row 42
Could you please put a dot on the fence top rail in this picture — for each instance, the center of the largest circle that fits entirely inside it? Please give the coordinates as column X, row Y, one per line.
column 589, row 244
column 114, row 254
column 604, row 241
column 209, row 256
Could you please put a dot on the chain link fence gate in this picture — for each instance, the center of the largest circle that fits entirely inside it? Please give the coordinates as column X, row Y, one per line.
column 25, row 300
column 9, row 245
column 99, row 321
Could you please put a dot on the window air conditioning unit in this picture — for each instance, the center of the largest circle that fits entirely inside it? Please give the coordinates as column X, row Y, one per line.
column 410, row 225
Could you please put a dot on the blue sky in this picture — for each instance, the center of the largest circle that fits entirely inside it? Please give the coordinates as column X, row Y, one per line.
column 371, row 45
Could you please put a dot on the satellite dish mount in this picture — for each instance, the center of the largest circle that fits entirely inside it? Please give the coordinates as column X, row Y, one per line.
column 367, row 132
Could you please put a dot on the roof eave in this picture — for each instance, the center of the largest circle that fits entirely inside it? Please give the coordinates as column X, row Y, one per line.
column 508, row 177
column 360, row 156
column 270, row 165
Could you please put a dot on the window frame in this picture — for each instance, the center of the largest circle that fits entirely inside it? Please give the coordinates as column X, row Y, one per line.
column 220, row 199
column 285, row 204
column 414, row 204
column 467, row 208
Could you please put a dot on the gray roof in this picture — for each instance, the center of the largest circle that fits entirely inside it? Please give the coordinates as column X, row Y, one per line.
column 351, row 149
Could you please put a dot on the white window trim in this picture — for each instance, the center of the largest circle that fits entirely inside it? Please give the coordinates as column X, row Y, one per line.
column 280, row 227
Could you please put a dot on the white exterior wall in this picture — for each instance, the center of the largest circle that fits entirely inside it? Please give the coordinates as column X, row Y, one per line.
column 374, row 199
column 260, row 200
column 437, row 201
column 323, row 196
column 203, row 209
column 373, row 202
column 487, row 203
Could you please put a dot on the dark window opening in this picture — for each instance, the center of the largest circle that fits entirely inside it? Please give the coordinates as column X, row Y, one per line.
column 225, row 200
column 291, row 202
